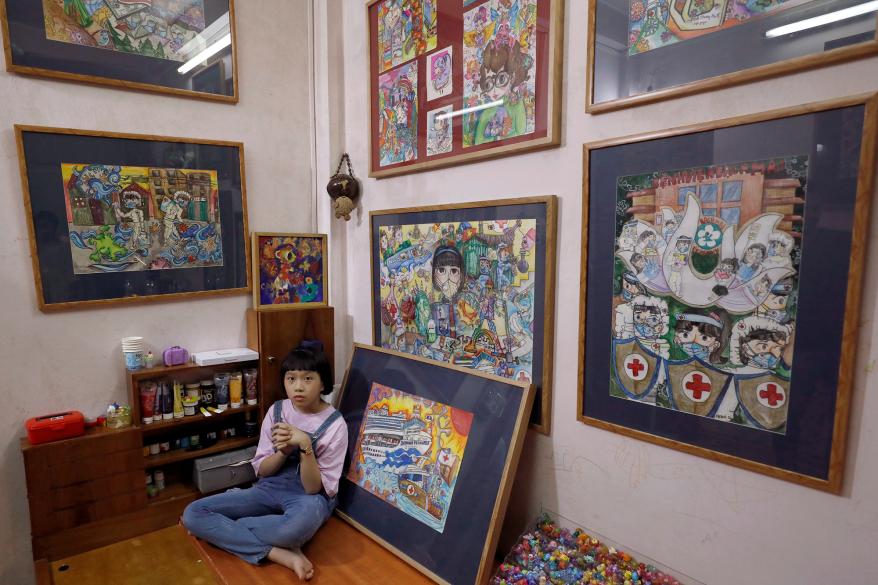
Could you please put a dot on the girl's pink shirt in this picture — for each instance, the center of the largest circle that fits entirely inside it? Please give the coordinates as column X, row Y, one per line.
column 330, row 450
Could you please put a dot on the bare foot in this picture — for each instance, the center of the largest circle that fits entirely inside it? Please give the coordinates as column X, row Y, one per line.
column 293, row 560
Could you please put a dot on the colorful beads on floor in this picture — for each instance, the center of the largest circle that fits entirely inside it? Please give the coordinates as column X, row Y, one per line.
column 556, row 556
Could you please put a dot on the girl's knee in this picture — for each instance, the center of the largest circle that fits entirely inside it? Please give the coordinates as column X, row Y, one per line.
column 193, row 514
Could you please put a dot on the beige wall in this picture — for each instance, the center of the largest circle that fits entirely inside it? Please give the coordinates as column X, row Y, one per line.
column 72, row 360
column 703, row 518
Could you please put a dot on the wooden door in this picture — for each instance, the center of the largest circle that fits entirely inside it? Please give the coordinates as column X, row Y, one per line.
column 274, row 333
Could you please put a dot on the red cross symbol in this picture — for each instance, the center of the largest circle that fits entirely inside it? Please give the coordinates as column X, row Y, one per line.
column 771, row 394
column 697, row 384
column 635, row 366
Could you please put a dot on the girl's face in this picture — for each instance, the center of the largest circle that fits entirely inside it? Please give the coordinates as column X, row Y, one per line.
column 303, row 388
column 695, row 335
column 447, row 279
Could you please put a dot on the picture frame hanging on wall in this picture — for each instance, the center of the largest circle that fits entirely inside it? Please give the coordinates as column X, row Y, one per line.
column 472, row 284
column 432, row 451
column 289, row 271
column 454, row 82
column 721, row 280
column 645, row 51
column 125, row 218
column 180, row 48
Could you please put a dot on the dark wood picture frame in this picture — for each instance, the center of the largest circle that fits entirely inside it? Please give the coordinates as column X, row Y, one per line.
column 119, row 61
column 257, row 273
column 814, row 458
column 43, row 190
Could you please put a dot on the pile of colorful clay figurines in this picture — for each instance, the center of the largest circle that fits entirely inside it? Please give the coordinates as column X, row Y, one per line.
column 553, row 555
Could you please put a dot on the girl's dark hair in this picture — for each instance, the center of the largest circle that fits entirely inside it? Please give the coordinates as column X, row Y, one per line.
column 308, row 357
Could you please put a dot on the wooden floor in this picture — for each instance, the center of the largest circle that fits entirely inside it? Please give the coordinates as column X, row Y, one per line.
column 341, row 555
column 163, row 556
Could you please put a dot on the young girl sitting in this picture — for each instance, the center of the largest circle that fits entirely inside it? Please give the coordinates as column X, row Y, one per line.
column 298, row 464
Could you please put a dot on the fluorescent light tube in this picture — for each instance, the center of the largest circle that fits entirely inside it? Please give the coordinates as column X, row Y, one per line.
column 468, row 110
column 205, row 54
column 822, row 20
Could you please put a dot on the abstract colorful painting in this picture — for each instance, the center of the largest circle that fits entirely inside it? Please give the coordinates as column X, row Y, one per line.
column 290, row 270
column 127, row 218
column 151, row 28
column 398, row 114
column 409, row 453
column 657, row 23
column 406, row 29
column 440, row 133
column 499, row 70
column 461, row 292
column 440, row 82
column 706, row 288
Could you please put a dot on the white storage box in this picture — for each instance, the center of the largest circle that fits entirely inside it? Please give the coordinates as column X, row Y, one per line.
column 224, row 356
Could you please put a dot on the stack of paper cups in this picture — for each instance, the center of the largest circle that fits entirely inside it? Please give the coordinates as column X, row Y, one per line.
column 132, row 348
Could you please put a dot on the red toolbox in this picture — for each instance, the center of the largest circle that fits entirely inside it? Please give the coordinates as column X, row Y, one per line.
column 52, row 427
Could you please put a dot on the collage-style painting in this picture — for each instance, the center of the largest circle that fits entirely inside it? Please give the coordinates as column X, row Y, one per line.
column 126, row 218
column 398, row 114
column 706, row 281
column 461, row 292
column 499, row 71
column 291, row 269
column 151, row 28
column 657, row 23
column 406, row 29
column 409, row 453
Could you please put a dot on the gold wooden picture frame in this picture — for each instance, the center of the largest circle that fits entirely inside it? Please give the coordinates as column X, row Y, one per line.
column 513, row 110
column 501, row 317
column 640, row 53
column 124, row 46
column 118, row 218
column 476, row 422
column 290, row 271
column 764, row 386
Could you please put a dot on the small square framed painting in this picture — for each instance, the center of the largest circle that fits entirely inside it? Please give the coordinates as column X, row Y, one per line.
column 432, row 451
column 122, row 218
column 471, row 284
column 289, row 271
column 458, row 81
column 643, row 51
column 180, row 47
column 721, row 279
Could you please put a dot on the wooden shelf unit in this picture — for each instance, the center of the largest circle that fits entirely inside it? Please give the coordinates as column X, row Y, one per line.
column 178, row 455
column 197, row 419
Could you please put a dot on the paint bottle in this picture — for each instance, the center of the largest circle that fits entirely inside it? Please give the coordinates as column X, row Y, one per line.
column 157, row 403
column 236, row 397
column 147, row 401
column 221, row 393
column 167, row 402
column 159, row 479
column 207, row 393
column 250, row 389
column 178, row 399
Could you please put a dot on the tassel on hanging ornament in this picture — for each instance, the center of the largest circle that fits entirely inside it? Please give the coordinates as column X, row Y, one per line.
column 344, row 190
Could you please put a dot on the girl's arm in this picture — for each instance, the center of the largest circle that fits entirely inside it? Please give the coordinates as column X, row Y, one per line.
column 309, row 471
column 271, row 464
column 288, row 438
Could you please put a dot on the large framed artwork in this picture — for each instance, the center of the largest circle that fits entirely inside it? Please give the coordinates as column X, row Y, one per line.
column 643, row 51
column 721, row 275
column 470, row 284
column 432, row 451
column 121, row 218
column 289, row 271
column 455, row 81
column 181, row 47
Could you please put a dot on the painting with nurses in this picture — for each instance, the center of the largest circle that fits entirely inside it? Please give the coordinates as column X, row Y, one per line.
column 706, row 281
column 461, row 292
column 125, row 218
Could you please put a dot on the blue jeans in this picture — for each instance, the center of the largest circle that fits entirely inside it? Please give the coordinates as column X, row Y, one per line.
column 276, row 512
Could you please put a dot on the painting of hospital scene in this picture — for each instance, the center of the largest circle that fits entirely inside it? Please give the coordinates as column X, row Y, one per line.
column 398, row 115
column 706, row 287
column 658, row 23
column 461, row 292
column 164, row 29
column 290, row 269
column 406, row 29
column 409, row 453
column 126, row 218
column 499, row 71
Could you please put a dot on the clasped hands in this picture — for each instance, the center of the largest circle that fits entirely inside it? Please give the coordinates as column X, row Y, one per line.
column 287, row 438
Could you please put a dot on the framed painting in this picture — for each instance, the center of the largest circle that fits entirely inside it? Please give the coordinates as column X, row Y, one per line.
column 180, row 47
column 481, row 78
column 122, row 218
column 644, row 51
column 289, row 271
column 721, row 279
column 432, row 451
column 470, row 284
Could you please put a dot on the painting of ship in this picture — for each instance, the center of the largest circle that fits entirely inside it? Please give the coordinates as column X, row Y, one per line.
column 419, row 485
column 384, row 432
